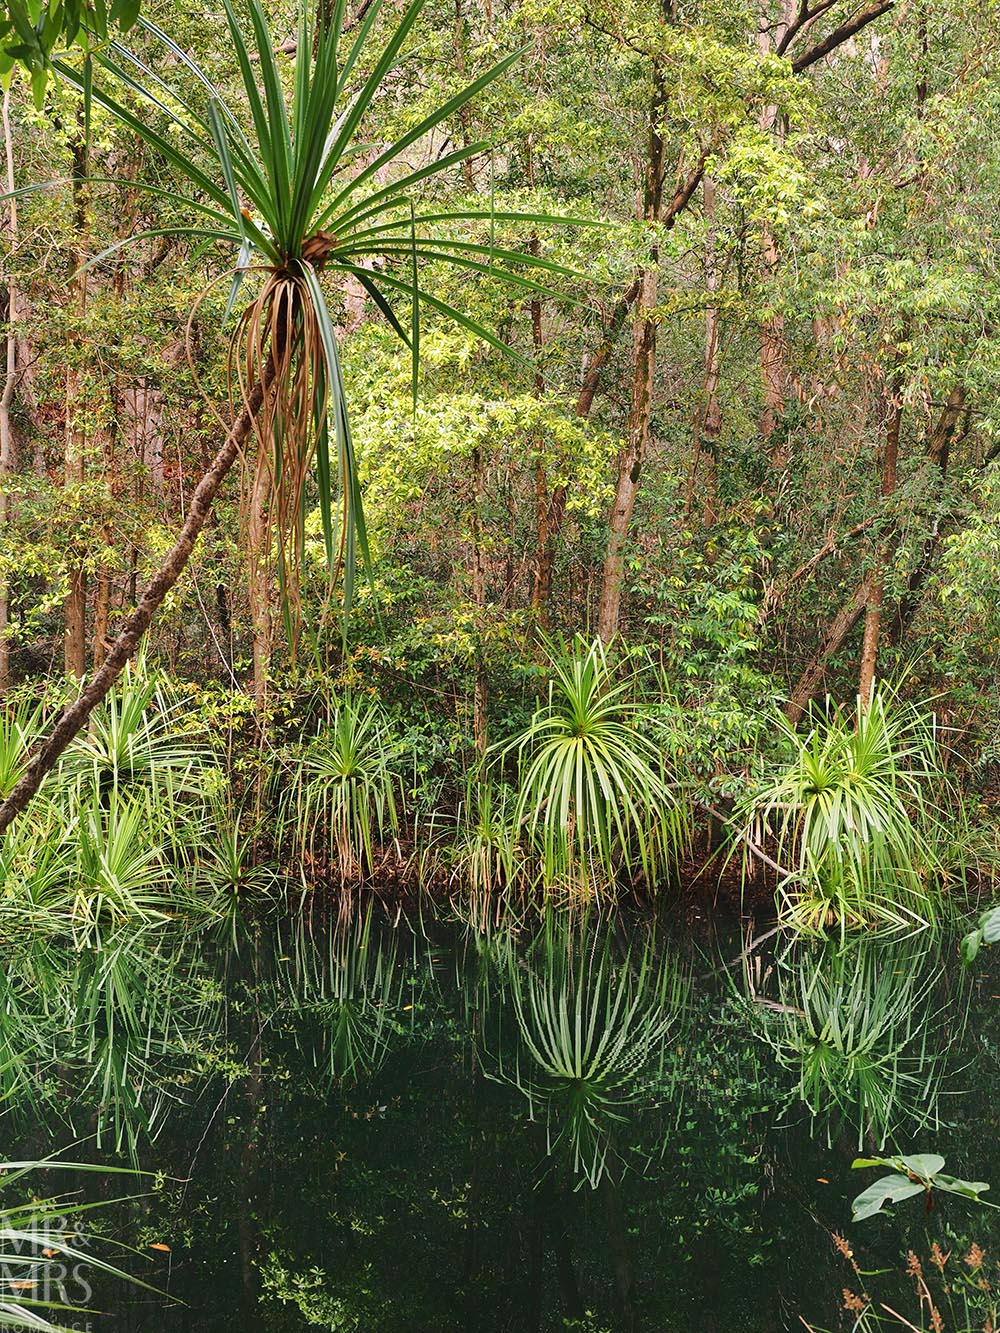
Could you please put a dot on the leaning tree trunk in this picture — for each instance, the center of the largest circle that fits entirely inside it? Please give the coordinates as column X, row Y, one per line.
column 810, row 680
column 75, row 715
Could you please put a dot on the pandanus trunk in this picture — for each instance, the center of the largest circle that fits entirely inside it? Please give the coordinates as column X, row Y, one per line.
column 259, row 585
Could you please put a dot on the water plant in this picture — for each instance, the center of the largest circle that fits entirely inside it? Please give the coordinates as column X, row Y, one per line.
column 229, row 875
column 854, row 819
column 594, row 795
column 488, row 865
column 341, row 793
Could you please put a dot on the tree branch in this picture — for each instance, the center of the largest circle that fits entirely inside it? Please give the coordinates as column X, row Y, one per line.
column 841, row 35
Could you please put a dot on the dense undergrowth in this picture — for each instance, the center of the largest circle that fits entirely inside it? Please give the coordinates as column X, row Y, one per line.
column 177, row 805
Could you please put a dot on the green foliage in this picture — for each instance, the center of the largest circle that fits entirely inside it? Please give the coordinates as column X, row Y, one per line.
column 594, row 793
column 30, row 30
column 340, row 795
column 916, row 1174
column 987, row 932
column 854, row 818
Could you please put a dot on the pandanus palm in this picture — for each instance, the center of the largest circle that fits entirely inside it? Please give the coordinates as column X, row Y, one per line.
column 281, row 180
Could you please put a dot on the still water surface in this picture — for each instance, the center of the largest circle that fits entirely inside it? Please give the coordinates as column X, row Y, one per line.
column 591, row 1124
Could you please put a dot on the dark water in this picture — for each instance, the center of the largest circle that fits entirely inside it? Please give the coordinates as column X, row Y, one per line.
column 591, row 1124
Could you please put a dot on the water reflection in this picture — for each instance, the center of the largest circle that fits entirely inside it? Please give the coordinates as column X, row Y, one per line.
column 448, row 1129
column 102, row 1039
column 592, row 1017
column 857, row 1023
column 347, row 988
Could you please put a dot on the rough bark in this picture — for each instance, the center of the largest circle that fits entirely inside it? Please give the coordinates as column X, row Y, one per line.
column 75, row 715
column 643, row 374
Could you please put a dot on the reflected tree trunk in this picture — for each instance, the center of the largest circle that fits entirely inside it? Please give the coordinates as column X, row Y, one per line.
column 618, row 1247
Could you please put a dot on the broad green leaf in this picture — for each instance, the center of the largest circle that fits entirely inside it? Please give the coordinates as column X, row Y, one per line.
column 887, row 1190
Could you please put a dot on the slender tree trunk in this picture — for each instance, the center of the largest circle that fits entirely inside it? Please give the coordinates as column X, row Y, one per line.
column 7, row 460
column 876, row 590
column 463, row 115
column 708, row 414
column 937, row 456
column 481, row 698
column 773, row 343
column 595, row 363
column 643, row 376
column 75, row 606
column 618, row 1248
column 75, row 715
column 629, row 465
column 541, row 586
column 938, row 452
column 102, row 606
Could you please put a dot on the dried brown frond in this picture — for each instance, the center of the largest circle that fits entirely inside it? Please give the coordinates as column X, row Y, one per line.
column 854, row 1303
column 282, row 324
column 975, row 1257
column 938, row 1257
